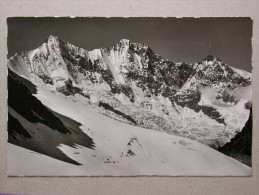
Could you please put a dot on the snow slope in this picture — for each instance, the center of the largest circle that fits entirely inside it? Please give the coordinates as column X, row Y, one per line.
column 115, row 74
column 121, row 149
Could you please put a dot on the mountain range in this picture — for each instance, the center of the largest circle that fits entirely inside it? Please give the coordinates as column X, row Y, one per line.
column 208, row 101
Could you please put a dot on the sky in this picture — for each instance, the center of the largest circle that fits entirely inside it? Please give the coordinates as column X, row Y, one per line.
column 178, row 39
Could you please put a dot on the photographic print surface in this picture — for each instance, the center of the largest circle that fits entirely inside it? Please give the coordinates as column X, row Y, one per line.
column 129, row 96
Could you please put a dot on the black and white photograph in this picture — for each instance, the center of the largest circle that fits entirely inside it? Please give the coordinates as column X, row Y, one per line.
column 129, row 96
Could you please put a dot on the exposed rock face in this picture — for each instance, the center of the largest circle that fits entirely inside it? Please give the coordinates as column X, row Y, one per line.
column 240, row 147
column 204, row 101
column 34, row 126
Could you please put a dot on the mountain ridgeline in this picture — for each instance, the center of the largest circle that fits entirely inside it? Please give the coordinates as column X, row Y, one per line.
column 207, row 101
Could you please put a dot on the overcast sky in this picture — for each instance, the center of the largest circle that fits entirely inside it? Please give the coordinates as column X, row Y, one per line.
column 178, row 39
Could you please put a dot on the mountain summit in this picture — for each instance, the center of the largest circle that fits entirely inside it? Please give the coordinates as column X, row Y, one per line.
column 128, row 81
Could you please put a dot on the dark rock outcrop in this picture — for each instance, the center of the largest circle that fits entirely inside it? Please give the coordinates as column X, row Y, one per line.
column 240, row 146
column 36, row 127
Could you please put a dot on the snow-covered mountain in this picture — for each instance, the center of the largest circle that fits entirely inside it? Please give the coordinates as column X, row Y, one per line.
column 207, row 101
column 129, row 84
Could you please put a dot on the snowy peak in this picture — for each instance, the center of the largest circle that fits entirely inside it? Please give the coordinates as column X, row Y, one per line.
column 217, row 65
column 213, row 71
column 53, row 44
column 210, row 58
column 125, row 43
column 53, row 39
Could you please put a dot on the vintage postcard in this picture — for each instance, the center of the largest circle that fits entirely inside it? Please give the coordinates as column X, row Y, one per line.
column 137, row 96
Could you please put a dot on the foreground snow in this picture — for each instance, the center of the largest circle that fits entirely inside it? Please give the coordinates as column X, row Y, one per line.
column 121, row 149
